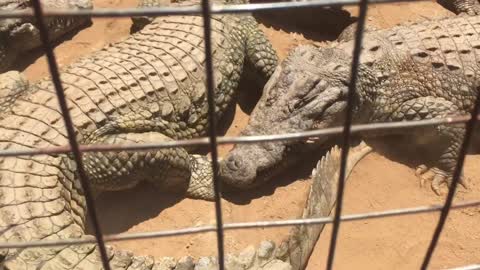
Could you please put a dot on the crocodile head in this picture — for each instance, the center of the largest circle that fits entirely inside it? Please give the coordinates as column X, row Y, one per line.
column 307, row 91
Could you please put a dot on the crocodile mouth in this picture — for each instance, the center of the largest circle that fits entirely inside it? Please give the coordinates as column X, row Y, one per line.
column 266, row 173
column 242, row 169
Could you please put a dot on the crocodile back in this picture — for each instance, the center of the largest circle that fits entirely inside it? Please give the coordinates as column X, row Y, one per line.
column 450, row 44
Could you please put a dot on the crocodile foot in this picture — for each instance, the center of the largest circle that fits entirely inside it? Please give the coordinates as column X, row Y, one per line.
column 466, row 7
column 201, row 180
column 437, row 177
column 473, row 10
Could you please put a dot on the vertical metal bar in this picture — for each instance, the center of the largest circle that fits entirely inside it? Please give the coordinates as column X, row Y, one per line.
column 346, row 132
column 77, row 155
column 213, row 127
column 456, row 178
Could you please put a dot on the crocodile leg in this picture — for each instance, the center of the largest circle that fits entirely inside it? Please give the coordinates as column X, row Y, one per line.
column 470, row 7
column 442, row 171
column 169, row 169
column 446, row 139
column 260, row 53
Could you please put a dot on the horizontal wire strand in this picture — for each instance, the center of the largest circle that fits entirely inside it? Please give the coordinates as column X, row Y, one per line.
column 191, row 10
column 359, row 128
column 466, row 267
column 243, row 225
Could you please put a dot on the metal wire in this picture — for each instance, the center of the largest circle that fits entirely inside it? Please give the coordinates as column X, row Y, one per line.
column 213, row 129
column 241, row 225
column 467, row 267
column 355, row 129
column 77, row 155
column 206, row 10
column 191, row 10
column 346, row 130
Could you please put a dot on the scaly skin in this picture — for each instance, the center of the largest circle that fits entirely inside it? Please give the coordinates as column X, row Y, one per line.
column 321, row 199
column 467, row 7
column 139, row 22
column 147, row 88
column 12, row 84
column 292, row 254
column 409, row 72
column 18, row 35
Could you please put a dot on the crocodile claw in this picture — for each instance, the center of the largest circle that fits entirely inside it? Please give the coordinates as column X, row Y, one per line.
column 437, row 177
column 468, row 8
column 470, row 12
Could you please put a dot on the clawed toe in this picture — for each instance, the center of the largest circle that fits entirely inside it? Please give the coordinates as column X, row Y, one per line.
column 437, row 177
column 437, row 182
column 476, row 10
column 424, row 174
column 473, row 11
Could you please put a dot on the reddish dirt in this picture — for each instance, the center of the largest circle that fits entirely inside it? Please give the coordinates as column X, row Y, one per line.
column 377, row 183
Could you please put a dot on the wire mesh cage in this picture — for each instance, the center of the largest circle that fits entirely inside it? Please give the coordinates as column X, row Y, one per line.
column 206, row 10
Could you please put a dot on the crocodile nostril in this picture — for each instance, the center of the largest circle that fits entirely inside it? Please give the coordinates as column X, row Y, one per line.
column 233, row 164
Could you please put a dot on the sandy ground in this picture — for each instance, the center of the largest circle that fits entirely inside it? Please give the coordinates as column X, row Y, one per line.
column 377, row 183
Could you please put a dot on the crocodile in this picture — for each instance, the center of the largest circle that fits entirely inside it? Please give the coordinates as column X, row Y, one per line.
column 423, row 70
column 18, row 35
column 146, row 88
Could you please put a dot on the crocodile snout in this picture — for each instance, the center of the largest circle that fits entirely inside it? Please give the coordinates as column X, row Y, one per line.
column 248, row 165
column 237, row 171
column 233, row 164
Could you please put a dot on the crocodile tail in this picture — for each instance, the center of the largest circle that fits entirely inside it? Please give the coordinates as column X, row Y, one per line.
column 321, row 199
column 86, row 256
